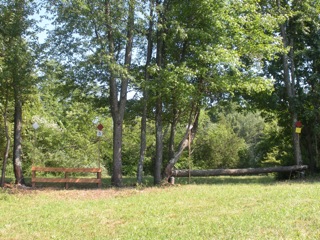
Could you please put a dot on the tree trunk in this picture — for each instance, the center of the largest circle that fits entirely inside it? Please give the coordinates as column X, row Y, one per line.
column 296, row 136
column 289, row 80
column 143, row 138
column 185, row 142
column 5, row 160
column 173, row 128
column 116, row 178
column 17, row 150
column 158, row 117
column 6, row 153
column 175, row 110
column 159, row 143
column 7, row 136
column 118, row 106
column 237, row 172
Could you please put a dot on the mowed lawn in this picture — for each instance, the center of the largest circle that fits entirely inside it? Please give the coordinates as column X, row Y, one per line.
column 212, row 208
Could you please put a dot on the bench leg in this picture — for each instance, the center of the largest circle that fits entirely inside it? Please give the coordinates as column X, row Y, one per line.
column 99, row 177
column 66, row 176
column 33, row 177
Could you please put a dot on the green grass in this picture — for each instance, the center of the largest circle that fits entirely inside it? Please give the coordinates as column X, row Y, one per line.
column 208, row 208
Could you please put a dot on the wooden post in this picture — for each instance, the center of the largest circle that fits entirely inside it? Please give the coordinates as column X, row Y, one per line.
column 99, row 177
column 189, row 146
column 99, row 151
column 33, row 177
column 66, row 176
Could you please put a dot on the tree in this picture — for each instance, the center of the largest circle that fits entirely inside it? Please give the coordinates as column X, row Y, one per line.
column 218, row 55
column 295, row 73
column 118, row 106
column 100, row 35
column 4, row 110
column 17, row 68
column 303, row 34
column 160, row 59
column 143, row 134
column 289, row 79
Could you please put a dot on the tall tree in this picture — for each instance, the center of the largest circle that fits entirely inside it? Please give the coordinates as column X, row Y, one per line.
column 289, row 78
column 17, row 66
column 97, row 38
column 4, row 107
column 161, row 6
column 143, row 135
column 308, row 70
column 118, row 106
column 295, row 73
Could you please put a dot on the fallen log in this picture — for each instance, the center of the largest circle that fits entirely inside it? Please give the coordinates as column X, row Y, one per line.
column 237, row 172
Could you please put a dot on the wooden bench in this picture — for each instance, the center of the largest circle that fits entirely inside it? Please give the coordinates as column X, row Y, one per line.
column 66, row 178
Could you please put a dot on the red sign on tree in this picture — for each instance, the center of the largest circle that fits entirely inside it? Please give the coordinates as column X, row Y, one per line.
column 298, row 124
column 100, row 127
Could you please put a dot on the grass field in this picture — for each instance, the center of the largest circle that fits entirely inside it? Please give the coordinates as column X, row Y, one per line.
column 210, row 208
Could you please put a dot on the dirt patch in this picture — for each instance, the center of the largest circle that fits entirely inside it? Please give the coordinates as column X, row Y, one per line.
column 83, row 194
column 87, row 194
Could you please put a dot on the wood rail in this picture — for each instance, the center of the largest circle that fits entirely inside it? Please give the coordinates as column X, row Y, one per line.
column 237, row 172
column 66, row 178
